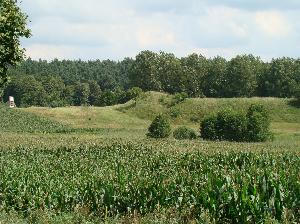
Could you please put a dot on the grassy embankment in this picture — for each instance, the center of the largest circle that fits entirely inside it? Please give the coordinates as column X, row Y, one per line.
column 137, row 115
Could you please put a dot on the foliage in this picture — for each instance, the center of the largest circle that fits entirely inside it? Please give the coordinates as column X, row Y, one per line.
column 133, row 93
column 258, row 123
column 215, row 80
column 194, row 75
column 144, row 73
column 241, row 76
column 209, row 129
column 12, row 27
column 184, row 133
column 297, row 95
column 226, row 125
column 15, row 120
column 179, row 98
column 194, row 71
column 95, row 93
column 174, row 112
column 169, row 73
column 54, row 87
column 136, row 179
column 281, row 79
column 81, row 94
column 27, row 91
column 159, row 128
column 237, row 126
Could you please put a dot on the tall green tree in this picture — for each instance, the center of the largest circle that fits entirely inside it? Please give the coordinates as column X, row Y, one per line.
column 81, row 94
column 170, row 73
column 95, row 93
column 55, row 87
column 195, row 69
column 27, row 91
column 145, row 71
column 214, row 81
column 12, row 26
column 241, row 76
column 282, row 78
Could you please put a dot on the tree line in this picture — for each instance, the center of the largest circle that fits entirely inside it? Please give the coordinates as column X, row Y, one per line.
column 66, row 82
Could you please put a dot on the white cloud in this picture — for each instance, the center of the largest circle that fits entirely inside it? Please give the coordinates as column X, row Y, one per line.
column 272, row 23
column 115, row 29
column 37, row 51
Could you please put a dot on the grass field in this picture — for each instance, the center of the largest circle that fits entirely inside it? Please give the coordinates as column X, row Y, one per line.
column 91, row 165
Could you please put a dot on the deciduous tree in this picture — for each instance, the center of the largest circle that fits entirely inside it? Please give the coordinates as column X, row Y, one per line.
column 12, row 26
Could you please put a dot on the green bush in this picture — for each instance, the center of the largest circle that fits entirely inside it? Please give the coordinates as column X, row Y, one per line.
column 231, row 125
column 226, row 125
column 184, row 133
column 237, row 126
column 208, row 129
column 179, row 98
column 159, row 128
column 258, row 124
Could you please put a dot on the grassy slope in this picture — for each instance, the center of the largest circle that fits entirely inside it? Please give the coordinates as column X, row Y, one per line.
column 90, row 117
column 137, row 115
column 16, row 120
column 285, row 118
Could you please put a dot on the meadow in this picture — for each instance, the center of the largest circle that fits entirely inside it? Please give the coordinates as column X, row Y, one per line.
column 95, row 164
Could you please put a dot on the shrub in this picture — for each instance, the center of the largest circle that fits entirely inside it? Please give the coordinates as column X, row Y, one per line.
column 184, row 133
column 258, row 124
column 131, row 94
column 237, row 126
column 226, row 125
column 208, row 129
column 179, row 98
column 134, row 93
column 159, row 128
column 231, row 125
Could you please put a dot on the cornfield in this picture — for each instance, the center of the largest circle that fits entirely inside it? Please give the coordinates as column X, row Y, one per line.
column 125, row 178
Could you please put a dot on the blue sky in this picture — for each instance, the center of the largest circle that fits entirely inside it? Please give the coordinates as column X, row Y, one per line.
column 114, row 29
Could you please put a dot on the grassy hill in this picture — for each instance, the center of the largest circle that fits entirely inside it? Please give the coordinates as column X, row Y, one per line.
column 285, row 117
column 195, row 109
column 137, row 115
column 17, row 120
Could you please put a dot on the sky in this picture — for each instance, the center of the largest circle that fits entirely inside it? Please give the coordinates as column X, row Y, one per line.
column 114, row 29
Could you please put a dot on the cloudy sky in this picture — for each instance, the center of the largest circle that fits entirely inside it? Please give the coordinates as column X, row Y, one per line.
column 114, row 29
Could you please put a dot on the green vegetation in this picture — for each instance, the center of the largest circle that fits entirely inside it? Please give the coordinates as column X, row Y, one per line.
column 238, row 126
column 135, row 178
column 258, row 124
column 159, row 128
column 89, row 164
column 51, row 91
column 106, row 83
column 15, row 120
column 12, row 28
column 184, row 133
column 225, row 125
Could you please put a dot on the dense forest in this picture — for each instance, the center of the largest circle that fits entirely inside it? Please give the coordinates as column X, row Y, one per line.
column 101, row 83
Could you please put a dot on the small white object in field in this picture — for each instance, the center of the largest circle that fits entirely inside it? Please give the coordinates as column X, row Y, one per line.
column 11, row 102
